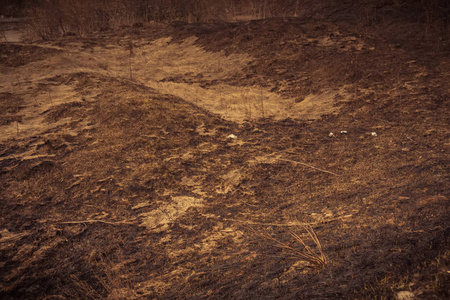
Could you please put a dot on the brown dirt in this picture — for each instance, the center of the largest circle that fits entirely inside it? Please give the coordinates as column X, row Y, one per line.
column 120, row 184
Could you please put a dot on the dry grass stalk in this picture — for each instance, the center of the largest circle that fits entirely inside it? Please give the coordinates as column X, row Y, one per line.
column 268, row 224
column 262, row 104
column 99, row 221
column 306, row 165
column 130, row 47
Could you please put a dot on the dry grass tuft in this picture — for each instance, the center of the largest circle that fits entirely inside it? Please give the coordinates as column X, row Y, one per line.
column 305, row 253
column 117, row 281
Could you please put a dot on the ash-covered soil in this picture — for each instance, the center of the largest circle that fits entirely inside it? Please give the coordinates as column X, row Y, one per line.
column 189, row 161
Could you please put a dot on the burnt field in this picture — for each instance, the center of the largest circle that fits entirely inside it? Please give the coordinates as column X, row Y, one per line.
column 282, row 158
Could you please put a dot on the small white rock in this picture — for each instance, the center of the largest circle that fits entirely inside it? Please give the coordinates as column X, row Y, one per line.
column 232, row 136
column 374, row 134
column 343, row 131
column 331, row 134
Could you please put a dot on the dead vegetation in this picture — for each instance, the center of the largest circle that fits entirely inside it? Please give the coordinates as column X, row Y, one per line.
column 175, row 161
column 49, row 19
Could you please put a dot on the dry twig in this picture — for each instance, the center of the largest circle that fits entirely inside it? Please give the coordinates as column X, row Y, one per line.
column 99, row 221
column 306, row 165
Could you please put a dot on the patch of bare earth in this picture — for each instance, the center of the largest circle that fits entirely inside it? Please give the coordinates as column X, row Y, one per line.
column 174, row 162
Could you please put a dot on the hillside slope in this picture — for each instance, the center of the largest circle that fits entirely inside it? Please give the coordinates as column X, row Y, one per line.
column 188, row 160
